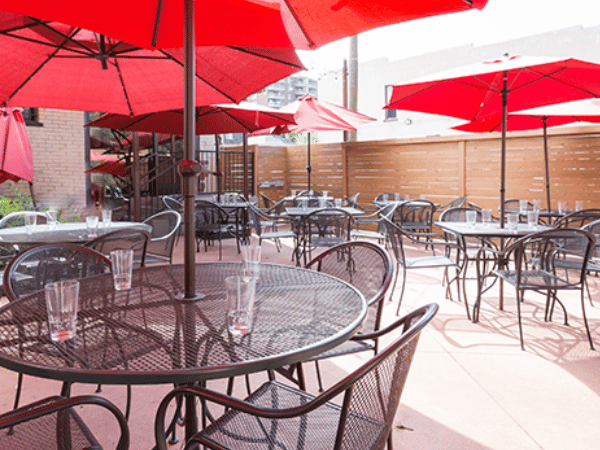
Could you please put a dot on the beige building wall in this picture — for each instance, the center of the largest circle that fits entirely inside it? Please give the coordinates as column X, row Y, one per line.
column 58, row 161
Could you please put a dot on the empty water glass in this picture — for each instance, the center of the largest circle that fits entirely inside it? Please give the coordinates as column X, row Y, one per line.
column 106, row 217
column 406, row 197
column 338, row 202
column 523, row 204
column 537, row 203
column 304, row 205
column 562, row 207
column 322, row 202
column 511, row 221
column 578, row 205
column 92, row 226
column 532, row 219
column 325, row 194
column 240, row 304
column 62, row 298
column 294, row 192
column 121, row 266
column 384, row 198
column 396, row 197
column 471, row 218
column 30, row 221
column 52, row 218
column 486, row 216
column 423, row 197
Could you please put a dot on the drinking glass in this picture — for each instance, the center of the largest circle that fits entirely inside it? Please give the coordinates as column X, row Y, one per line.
column 52, row 218
column 62, row 298
column 406, row 196
column 471, row 218
column 532, row 219
column 322, row 202
column 578, row 205
column 562, row 207
column 294, row 192
column 106, row 217
column 240, row 304
column 537, row 203
column 486, row 216
column 523, row 206
column 511, row 220
column 92, row 226
column 384, row 198
column 251, row 254
column 30, row 221
column 325, row 194
column 423, row 197
column 304, row 205
column 396, row 197
column 122, row 265
column 338, row 202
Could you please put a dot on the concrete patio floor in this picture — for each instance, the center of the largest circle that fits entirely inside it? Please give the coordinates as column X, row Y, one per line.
column 470, row 386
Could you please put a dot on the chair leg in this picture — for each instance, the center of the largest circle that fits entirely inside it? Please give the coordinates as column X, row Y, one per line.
column 18, row 393
column 519, row 299
column 401, row 292
column 585, row 322
column 319, row 379
column 394, row 283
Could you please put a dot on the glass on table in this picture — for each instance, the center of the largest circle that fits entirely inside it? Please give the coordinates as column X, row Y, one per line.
column 511, row 221
column 62, row 298
column 486, row 216
column 532, row 219
column 578, row 205
column 423, row 196
column 52, row 218
column 294, row 193
column 30, row 220
column 562, row 207
column 537, row 203
column 523, row 205
column 471, row 218
column 397, row 197
column 406, row 197
column 384, row 198
column 304, row 205
column 106, row 217
column 240, row 304
column 92, row 226
column 251, row 254
column 121, row 265
column 338, row 202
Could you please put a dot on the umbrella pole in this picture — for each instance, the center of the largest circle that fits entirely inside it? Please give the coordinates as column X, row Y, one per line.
column 544, row 119
column 308, row 167
column 503, row 147
column 218, row 167
column 245, row 148
column 32, row 196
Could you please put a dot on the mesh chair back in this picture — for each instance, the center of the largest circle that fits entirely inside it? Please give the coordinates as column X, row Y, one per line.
column 577, row 219
column 460, row 201
column 267, row 201
column 136, row 240
column 325, row 228
column 415, row 215
column 172, row 203
column 366, row 266
column 255, row 220
column 165, row 225
column 32, row 269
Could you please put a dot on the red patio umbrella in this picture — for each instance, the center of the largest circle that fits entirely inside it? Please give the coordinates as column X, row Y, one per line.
column 532, row 120
column 52, row 65
column 16, row 160
column 146, row 139
column 212, row 119
column 481, row 91
column 303, row 24
column 117, row 168
column 312, row 114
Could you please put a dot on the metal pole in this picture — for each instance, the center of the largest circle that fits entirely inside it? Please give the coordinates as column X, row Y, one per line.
column 135, row 178
column 353, row 94
column 345, row 94
column 503, row 147
column 544, row 119
column 308, row 167
column 245, row 147
column 218, row 167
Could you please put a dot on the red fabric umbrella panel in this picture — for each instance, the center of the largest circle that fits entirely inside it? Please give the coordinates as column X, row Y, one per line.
column 16, row 159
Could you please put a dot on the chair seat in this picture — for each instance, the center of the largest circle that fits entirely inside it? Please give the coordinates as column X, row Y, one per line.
column 428, row 261
column 316, row 430
column 278, row 234
column 535, row 279
column 366, row 234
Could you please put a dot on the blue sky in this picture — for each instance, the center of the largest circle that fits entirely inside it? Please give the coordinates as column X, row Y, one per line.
column 501, row 20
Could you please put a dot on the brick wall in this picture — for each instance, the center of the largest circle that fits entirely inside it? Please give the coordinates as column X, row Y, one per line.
column 58, row 160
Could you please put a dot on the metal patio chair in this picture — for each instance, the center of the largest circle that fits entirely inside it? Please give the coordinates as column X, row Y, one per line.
column 165, row 228
column 125, row 239
column 278, row 416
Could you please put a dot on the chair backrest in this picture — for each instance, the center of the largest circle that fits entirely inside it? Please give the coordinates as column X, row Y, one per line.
column 577, row 219
column 327, row 227
column 165, row 225
column 31, row 269
column 514, row 204
column 394, row 235
column 210, row 217
column 458, row 214
column 366, row 266
column 267, row 201
column 255, row 218
column 125, row 239
column 16, row 219
column 460, row 201
column 353, row 201
column 573, row 244
column 373, row 391
column 172, row 203
column 415, row 215
column 390, row 197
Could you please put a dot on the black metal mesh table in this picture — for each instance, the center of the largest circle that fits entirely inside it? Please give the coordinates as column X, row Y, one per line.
column 147, row 336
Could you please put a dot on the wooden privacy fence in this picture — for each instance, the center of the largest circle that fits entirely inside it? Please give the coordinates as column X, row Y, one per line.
column 442, row 168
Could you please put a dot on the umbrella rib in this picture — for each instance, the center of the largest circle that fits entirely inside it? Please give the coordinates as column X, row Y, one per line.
column 64, row 36
column 235, row 119
column 156, row 23
column 268, row 58
column 175, row 60
column 311, row 44
column 116, row 63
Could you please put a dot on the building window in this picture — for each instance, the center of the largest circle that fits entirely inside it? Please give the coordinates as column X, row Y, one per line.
column 32, row 116
column 390, row 114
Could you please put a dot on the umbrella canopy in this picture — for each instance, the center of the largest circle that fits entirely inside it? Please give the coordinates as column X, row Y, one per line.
column 117, row 168
column 146, row 139
column 496, row 88
column 311, row 114
column 212, row 119
column 303, row 24
column 16, row 160
column 543, row 117
column 52, row 65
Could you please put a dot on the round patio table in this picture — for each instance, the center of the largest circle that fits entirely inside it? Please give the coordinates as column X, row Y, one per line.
column 145, row 335
column 76, row 232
